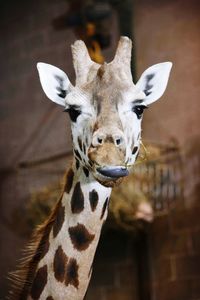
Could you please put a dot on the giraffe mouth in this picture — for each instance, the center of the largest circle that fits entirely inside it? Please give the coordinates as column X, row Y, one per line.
column 113, row 172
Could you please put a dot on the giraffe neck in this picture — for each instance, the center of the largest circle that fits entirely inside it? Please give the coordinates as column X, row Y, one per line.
column 64, row 271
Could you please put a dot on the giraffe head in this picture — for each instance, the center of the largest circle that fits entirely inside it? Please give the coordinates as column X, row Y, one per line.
column 105, row 107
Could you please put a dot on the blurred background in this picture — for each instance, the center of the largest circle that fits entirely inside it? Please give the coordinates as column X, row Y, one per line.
column 140, row 257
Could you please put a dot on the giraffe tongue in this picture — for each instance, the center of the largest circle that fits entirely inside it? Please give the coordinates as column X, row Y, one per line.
column 113, row 171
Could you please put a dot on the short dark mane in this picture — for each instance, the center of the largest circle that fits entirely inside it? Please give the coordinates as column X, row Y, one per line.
column 22, row 278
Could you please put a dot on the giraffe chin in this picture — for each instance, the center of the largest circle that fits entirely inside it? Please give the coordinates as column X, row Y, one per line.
column 113, row 183
column 108, row 182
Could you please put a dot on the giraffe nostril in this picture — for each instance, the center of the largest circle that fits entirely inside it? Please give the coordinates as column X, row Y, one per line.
column 99, row 140
column 118, row 142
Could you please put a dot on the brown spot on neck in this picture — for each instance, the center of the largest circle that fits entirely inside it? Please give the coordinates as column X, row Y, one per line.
column 77, row 201
column 93, row 197
column 49, row 298
column 69, row 180
column 72, row 273
column 59, row 264
column 104, row 208
column 39, row 283
column 59, row 219
column 80, row 237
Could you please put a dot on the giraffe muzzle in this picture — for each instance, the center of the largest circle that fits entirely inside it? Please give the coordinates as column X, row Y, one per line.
column 113, row 171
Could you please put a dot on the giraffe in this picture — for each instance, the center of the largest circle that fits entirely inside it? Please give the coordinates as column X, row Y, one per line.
column 105, row 108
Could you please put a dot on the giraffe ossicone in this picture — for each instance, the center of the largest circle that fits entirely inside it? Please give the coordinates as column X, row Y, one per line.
column 106, row 109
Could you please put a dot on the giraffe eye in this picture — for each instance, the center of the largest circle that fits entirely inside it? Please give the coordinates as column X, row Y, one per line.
column 74, row 111
column 139, row 109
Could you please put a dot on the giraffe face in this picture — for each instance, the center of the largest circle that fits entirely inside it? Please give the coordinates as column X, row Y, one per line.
column 105, row 108
column 106, row 124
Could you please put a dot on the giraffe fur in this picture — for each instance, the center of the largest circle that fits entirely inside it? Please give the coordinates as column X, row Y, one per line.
column 106, row 109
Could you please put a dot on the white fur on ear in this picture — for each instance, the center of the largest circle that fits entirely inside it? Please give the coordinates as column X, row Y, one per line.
column 153, row 81
column 54, row 81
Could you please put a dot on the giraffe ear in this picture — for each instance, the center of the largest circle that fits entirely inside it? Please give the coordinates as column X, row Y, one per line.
column 55, row 82
column 153, row 81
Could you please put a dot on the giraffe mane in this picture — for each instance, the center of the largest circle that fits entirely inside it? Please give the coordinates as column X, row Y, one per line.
column 22, row 279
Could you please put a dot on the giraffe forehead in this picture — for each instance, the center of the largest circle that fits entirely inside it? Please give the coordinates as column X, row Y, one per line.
column 106, row 98
column 103, row 91
column 107, row 84
column 112, row 92
column 114, row 74
column 107, row 87
column 107, row 111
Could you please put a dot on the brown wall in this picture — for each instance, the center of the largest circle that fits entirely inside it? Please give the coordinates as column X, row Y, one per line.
column 31, row 127
column 170, row 31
